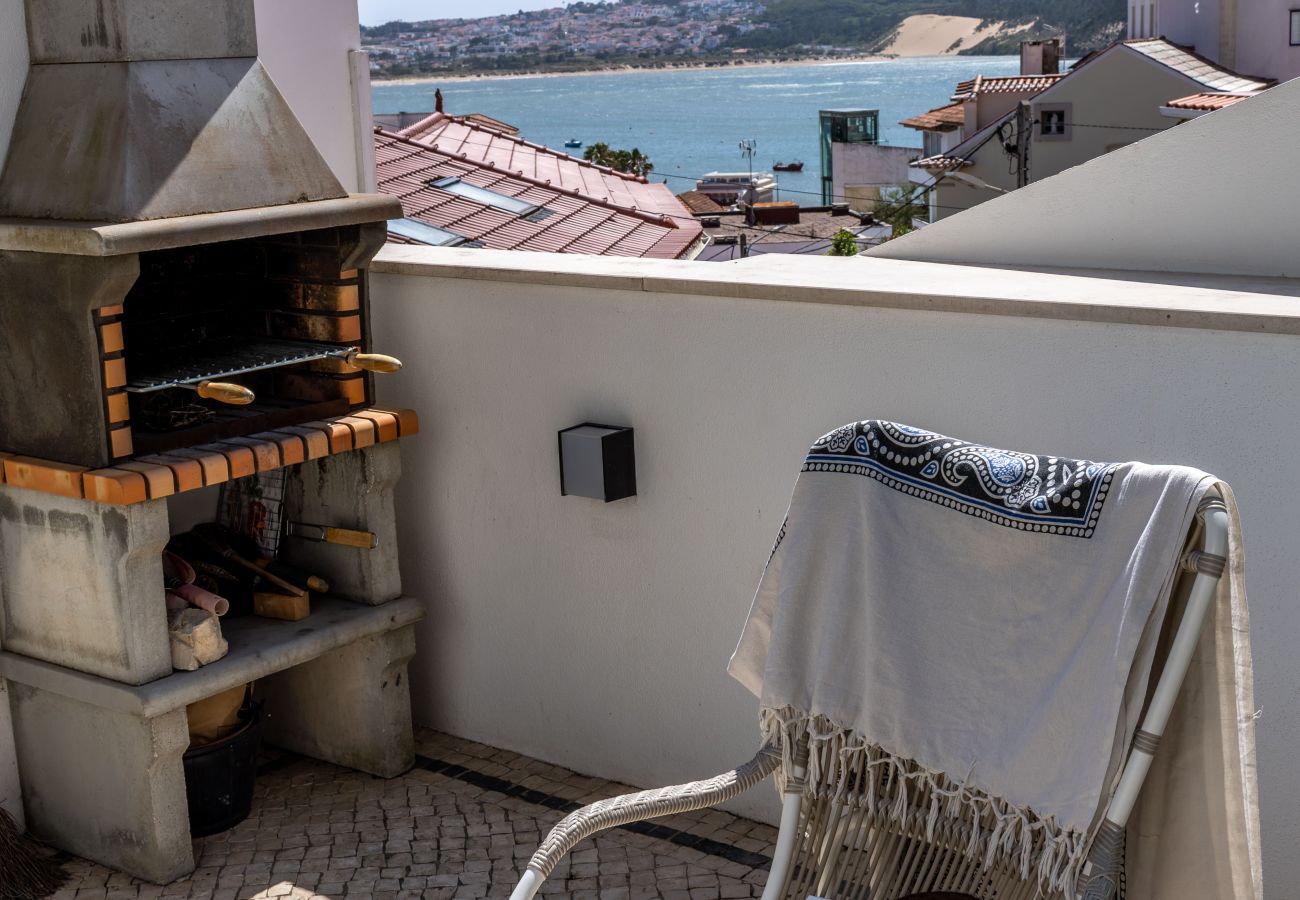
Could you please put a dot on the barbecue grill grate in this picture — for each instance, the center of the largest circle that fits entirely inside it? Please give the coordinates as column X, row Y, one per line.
column 253, row 507
column 219, row 359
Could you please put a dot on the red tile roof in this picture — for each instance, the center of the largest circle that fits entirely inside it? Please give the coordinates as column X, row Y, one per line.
column 942, row 162
column 943, row 118
column 1207, row 101
column 577, row 223
column 1010, row 84
column 700, row 202
column 475, row 142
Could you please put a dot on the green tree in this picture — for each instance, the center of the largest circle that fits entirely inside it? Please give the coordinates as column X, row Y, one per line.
column 898, row 206
column 843, row 243
column 633, row 161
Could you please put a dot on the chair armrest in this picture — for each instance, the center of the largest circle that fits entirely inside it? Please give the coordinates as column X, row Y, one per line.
column 627, row 808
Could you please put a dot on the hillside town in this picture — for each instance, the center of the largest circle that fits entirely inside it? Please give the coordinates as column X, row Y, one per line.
column 579, row 31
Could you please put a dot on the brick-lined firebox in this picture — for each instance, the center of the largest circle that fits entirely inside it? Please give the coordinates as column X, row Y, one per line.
column 182, row 303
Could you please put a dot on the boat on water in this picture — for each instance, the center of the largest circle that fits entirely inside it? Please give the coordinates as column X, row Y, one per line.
column 573, row 142
column 794, row 166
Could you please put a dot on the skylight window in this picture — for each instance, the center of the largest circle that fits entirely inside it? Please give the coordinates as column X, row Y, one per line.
column 425, row 234
column 485, row 196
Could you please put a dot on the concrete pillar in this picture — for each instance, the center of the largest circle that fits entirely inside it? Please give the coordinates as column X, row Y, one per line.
column 11, row 792
column 351, row 706
column 351, row 490
column 81, row 584
column 105, row 784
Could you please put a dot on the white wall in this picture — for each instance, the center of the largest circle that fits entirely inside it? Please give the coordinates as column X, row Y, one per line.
column 1120, row 88
column 869, row 164
column 596, row 635
column 13, row 75
column 1263, row 39
column 304, row 44
column 1191, row 23
column 1171, row 202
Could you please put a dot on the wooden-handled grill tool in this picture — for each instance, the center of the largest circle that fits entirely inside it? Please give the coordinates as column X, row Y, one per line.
column 347, row 537
column 200, row 370
column 211, row 536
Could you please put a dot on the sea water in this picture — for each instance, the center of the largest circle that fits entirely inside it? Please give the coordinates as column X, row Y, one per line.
column 691, row 121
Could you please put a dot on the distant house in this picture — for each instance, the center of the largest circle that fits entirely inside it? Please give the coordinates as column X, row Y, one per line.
column 854, row 164
column 464, row 185
column 1108, row 100
column 1261, row 37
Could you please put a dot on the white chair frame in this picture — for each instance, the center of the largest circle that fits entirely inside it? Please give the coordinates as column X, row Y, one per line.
column 1102, row 871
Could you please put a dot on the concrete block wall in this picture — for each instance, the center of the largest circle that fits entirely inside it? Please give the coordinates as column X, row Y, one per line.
column 13, row 75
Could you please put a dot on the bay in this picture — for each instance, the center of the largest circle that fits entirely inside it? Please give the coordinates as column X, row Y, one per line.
column 690, row 121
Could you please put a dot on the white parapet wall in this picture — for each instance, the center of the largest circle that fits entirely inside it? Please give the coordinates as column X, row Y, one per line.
column 596, row 635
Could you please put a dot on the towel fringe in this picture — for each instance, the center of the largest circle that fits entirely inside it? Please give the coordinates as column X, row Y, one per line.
column 995, row 832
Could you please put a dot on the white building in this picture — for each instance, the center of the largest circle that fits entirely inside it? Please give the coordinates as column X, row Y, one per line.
column 727, row 188
column 1255, row 37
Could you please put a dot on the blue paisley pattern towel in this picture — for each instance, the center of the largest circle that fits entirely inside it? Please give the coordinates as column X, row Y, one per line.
column 1019, row 490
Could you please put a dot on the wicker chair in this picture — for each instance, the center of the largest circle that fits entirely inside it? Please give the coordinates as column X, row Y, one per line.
column 838, row 848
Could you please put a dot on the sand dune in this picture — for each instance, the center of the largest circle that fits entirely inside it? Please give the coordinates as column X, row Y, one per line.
column 930, row 35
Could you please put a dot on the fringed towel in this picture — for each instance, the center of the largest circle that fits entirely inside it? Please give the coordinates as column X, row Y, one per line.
column 978, row 627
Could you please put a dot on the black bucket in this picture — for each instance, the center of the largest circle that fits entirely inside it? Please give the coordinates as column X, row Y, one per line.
column 219, row 778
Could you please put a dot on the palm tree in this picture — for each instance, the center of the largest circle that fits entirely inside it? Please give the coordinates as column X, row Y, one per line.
column 633, row 161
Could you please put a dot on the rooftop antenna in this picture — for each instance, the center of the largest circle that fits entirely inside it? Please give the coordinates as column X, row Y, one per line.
column 747, row 151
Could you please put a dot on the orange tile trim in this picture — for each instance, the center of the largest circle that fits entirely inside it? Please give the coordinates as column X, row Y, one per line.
column 110, row 336
column 119, row 407
column 44, row 475
column 114, row 373
column 176, row 471
column 114, row 485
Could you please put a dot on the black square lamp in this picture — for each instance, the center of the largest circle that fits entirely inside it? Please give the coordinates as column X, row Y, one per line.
column 597, row 461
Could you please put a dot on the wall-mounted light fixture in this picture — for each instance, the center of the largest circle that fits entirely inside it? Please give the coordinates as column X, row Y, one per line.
column 597, row 461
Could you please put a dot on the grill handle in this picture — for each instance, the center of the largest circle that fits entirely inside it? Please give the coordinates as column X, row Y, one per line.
column 373, row 362
column 223, row 391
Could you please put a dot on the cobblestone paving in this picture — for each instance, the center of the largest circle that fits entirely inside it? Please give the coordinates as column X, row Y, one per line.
column 321, row 831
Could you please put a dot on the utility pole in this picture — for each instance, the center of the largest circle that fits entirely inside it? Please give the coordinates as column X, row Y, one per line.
column 747, row 151
column 1024, row 124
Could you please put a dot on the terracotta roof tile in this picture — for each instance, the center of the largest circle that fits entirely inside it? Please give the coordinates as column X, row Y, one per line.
column 648, row 222
column 944, row 118
column 1009, row 84
column 481, row 144
column 942, row 162
column 698, row 202
column 1207, row 101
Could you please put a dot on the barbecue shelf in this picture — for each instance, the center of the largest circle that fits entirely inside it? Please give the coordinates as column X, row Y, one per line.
column 258, row 647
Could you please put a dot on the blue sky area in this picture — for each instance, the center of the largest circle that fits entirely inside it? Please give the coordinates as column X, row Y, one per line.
column 377, row 12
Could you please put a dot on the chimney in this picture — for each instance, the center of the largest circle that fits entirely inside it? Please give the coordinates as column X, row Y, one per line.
column 131, row 113
column 437, row 100
column 1040, row 57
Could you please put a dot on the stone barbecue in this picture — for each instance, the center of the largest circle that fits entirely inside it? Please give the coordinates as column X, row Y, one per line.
column 183, row 303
